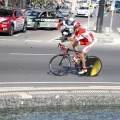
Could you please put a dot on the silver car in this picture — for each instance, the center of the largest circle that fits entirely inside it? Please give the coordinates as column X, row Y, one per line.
column 65, row 10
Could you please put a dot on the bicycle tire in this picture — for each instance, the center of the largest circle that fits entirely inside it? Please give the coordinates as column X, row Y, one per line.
column 59, row 65
column 96, row 66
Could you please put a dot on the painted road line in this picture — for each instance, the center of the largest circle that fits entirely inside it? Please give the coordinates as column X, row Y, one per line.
column 118, row 30
column 11, row 83
column 15, row 35
column 11, row 40
column 54, row 39
column 108, row 30
column 33, row 41
column 30, row 54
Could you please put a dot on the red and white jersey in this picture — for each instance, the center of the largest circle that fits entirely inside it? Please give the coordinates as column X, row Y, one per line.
column 85, row 34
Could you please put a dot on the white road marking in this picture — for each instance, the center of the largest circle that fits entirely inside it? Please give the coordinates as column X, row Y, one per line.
column 110, row 83
column 33, row 41
column 30, row 54
column 11, row 40
column 108, row 30
column 118, row 29
column 53, row 39
column 16, row 35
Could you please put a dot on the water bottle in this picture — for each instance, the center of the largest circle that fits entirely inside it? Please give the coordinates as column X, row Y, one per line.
column 74, row 59
column 78, row 59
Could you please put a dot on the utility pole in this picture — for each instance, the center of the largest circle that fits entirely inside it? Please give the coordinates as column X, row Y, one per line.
column 112, row 8
column 100, row 16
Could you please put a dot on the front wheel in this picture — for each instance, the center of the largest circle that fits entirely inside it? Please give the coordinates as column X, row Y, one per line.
column 24, row 27
column 11, row 30
column 63, row 38
column 60, row 65
column 35, row 26
column 94, row 65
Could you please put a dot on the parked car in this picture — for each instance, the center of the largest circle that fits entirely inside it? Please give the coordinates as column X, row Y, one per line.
column 12, row 20
column 84, row 11
column 37, row 18
column 95, row 4
column 65, row 10
column 117, row 9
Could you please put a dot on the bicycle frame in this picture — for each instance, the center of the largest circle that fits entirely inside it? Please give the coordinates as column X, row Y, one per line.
column 66, row 53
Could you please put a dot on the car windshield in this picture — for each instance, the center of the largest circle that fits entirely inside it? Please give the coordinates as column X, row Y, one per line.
column 64, row 7
column 58, row 14
column 5, row 13
column 31, row 13
column 82, row 8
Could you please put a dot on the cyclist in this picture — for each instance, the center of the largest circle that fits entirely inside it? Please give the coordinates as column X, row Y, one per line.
column 87, row 39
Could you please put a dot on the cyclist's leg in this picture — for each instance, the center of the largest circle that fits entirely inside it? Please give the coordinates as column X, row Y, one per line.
column 84, row 51
column 82, row 54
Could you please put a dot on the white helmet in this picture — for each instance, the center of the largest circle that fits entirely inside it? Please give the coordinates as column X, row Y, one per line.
column 71, row 19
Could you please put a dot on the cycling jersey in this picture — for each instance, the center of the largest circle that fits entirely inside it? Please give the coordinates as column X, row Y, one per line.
column 88, row 39
column 87, row 35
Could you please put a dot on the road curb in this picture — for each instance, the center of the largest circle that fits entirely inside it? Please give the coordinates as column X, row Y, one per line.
column 29, row 89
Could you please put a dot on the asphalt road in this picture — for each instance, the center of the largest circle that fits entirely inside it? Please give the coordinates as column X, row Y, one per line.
column 28, row 65
column 24, row 61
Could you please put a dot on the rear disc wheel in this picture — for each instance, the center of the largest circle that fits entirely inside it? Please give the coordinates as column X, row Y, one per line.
column 95, row 66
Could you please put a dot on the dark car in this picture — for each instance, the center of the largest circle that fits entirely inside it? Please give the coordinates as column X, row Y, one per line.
column 12, row 20
column 117, row 9
column 42, row 18
column 65, row 10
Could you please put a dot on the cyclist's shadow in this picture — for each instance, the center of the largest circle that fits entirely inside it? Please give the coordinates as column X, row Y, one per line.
column 72, row 71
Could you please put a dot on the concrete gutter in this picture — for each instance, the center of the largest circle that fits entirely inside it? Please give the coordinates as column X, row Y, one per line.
column 28, row 89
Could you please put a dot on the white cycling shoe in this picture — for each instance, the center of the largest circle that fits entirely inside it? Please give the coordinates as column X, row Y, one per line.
column 82, row 71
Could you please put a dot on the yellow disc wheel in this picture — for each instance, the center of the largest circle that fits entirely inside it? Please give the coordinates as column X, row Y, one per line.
column 95, row 65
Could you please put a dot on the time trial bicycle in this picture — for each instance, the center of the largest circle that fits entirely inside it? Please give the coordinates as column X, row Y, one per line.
column 60, row 64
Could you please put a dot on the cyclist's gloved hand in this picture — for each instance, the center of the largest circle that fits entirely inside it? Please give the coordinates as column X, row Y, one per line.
column 62, row 46
column 66, row 49
column 68, row 38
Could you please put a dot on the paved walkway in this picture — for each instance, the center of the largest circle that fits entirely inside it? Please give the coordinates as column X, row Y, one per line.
column 106, row 38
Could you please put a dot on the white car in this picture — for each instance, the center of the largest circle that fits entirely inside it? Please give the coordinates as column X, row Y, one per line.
column 95, row 4
column 84, row 11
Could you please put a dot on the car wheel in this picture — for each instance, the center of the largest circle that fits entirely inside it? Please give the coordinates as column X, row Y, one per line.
column 91, row 15
column 35, row 26
column 24, row 27
column 11, row 30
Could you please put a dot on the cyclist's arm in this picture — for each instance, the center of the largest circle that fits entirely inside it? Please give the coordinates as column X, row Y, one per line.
column 71, row 38
column 73, row 41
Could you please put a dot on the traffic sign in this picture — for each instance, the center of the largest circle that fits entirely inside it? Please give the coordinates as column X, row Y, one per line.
column 90, row 6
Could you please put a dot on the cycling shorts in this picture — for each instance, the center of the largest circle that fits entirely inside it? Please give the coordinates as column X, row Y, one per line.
column 87, row 44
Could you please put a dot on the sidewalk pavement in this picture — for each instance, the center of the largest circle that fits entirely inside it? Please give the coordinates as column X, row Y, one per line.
column 106, row 38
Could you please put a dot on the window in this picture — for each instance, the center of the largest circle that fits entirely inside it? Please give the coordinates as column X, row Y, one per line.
column 20, row 13
column 51, row 14
column 5, row 13
column 44, row 14
column 31, row 13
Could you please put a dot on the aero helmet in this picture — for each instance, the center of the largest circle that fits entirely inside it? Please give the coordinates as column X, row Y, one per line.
column 77, row 24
